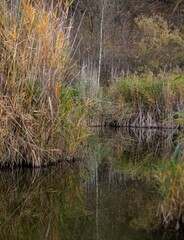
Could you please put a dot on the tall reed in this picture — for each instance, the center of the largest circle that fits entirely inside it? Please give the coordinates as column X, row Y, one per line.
column 39, row 115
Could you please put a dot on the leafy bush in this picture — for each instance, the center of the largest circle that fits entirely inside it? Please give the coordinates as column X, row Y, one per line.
column 160, row 46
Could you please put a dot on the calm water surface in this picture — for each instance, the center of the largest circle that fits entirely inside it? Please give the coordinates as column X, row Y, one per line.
column 108, row 194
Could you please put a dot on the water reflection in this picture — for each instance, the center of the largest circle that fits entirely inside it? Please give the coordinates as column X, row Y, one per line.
column 109, row 194
column 37, row 204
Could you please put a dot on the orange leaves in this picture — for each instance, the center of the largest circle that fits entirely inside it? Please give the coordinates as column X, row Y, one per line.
column 34, row 20
column 14, row 34
column 42, row 25
column 29, row 11
column 57, row 90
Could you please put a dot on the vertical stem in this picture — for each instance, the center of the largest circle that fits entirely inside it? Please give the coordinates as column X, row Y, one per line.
column 101, row 43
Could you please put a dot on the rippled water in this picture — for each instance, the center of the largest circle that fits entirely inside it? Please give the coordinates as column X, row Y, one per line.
column 107, row 194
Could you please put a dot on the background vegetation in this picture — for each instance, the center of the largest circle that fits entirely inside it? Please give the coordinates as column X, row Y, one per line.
column 137, row 35
column 133, row 52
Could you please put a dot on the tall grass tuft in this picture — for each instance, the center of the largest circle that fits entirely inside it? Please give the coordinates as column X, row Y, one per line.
column 147, row 100
column 40, row 117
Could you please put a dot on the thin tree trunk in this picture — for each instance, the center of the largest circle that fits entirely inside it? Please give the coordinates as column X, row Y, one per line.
column 101, row 42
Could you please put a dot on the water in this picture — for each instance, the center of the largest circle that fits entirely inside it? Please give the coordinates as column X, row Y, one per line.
column 108, row 194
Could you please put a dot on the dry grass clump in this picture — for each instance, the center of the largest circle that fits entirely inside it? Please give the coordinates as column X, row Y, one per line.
column 37, row 112
column 171, row 181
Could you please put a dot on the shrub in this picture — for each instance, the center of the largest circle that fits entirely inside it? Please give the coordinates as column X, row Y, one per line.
column 159, row 46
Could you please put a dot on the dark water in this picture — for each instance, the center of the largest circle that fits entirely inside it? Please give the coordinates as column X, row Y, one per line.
column 108, row 194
